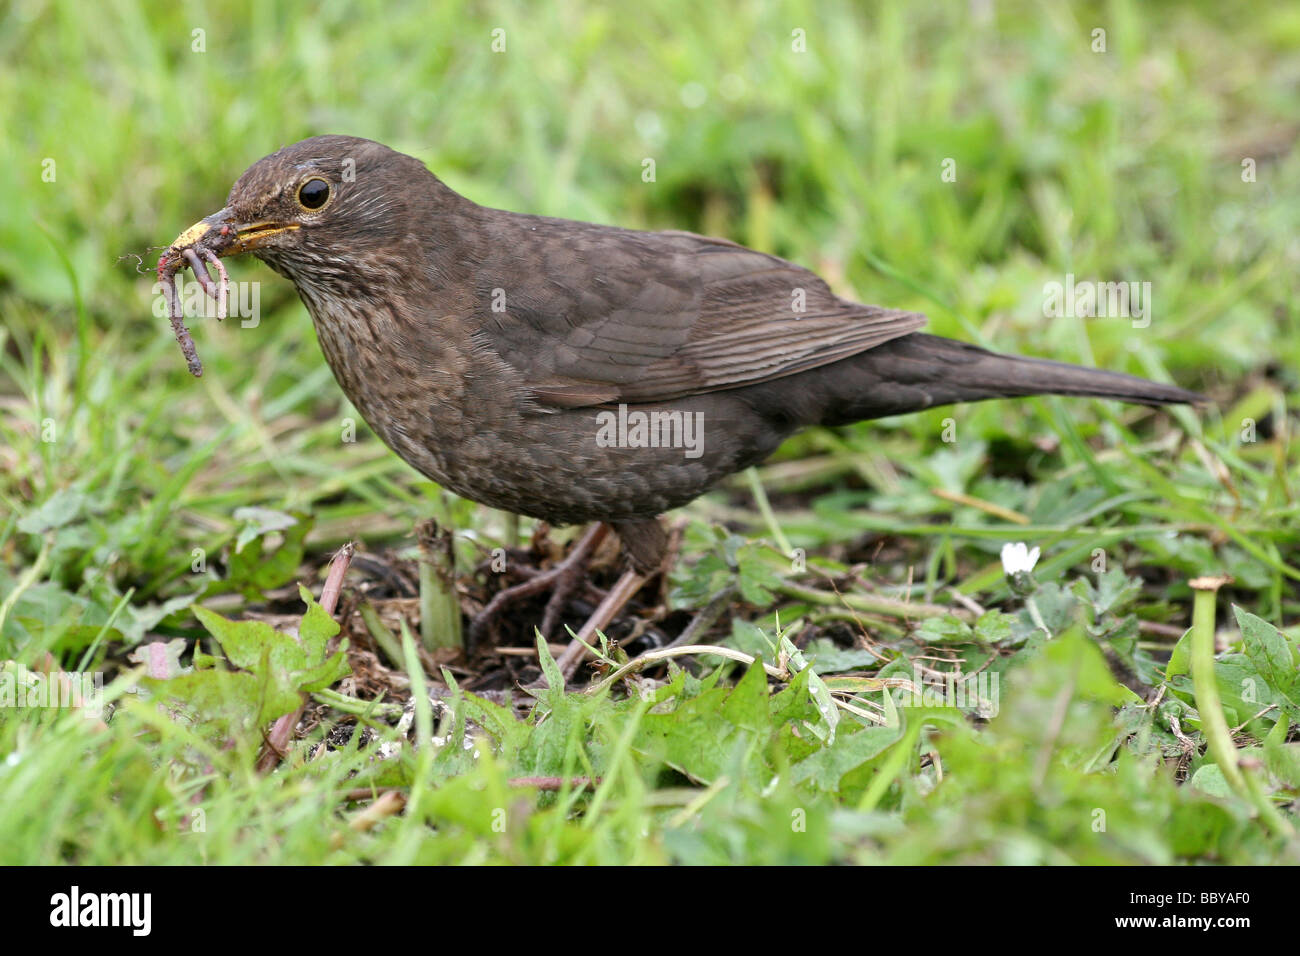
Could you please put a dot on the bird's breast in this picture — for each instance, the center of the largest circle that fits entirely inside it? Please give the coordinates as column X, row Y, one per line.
column 458, row 416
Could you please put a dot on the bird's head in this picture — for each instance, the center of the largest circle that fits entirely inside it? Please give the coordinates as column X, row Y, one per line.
column 315, row 207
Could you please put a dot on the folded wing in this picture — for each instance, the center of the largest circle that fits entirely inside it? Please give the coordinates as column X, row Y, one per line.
column 615, row 315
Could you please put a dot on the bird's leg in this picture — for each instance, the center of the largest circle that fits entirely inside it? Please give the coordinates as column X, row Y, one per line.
column 563, row 580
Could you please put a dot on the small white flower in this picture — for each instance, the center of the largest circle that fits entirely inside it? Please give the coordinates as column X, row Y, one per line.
column 1018, row 557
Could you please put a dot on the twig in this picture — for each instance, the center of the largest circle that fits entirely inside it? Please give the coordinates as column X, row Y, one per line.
column 527, row 651
column 329, row 593
column 618, row 595
column 705, row 618
column 967, row 602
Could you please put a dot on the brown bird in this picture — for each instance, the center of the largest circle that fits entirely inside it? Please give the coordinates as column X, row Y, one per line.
column 576, row 372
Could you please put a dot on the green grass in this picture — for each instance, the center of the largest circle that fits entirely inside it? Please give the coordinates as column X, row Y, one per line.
column 120, row 474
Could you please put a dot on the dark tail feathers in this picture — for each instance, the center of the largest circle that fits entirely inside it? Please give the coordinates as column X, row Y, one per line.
column 919, row 371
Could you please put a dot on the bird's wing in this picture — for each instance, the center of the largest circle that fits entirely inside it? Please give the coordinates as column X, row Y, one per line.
column 612, row 315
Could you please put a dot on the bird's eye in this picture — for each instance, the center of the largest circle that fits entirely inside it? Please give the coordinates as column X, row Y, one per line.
column 314, row 193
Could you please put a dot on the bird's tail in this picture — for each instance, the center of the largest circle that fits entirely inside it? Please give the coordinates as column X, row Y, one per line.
column 919, row 371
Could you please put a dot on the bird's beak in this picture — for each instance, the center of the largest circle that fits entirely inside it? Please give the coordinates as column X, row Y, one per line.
column 226, row 236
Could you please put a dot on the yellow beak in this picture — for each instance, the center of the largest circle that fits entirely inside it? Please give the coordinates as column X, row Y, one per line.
column 233, row 237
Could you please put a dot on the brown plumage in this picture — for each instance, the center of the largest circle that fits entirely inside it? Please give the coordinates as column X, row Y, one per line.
column 492, row 350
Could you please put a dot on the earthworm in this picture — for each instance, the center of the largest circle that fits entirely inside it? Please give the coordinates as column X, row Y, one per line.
column 167, row 278
column 218, row 291
column 223, row 284
column 200, row 271
column 171, row 265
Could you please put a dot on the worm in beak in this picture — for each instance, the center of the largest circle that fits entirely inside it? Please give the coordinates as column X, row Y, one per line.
column 201, row 243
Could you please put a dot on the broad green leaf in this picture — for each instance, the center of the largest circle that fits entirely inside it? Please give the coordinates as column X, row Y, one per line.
column 1268, row 650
